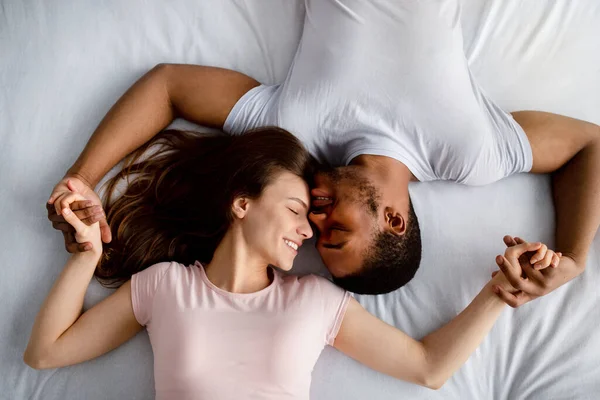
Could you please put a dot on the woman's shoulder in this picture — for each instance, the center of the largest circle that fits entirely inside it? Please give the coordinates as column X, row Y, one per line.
column 311, row 281
column 154, row 270
column 161, row 270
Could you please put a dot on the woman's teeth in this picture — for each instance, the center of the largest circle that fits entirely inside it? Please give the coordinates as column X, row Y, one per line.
column 291, row 244
column 322, row 198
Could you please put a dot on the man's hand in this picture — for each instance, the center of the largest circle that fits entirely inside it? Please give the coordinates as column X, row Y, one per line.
column 514, row 259
column 89, row 211
column 84, row 233
column 537, row 280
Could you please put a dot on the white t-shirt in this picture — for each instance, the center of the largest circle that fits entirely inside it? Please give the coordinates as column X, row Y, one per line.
column 389, row 78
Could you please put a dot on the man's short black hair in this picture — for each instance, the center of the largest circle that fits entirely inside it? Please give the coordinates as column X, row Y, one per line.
column 390, row 263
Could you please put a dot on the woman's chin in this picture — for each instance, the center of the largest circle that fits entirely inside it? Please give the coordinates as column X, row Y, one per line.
column 285, row 266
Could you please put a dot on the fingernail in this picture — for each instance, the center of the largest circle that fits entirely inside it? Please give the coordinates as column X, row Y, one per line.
column 66, row 211
column 87, row 247
column 495, row 289
column 499, row 259
column 537, row 266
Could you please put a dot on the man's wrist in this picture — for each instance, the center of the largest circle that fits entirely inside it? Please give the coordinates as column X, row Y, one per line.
column 82, row 176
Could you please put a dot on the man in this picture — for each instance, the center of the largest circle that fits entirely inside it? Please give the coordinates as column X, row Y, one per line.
column 382, row 89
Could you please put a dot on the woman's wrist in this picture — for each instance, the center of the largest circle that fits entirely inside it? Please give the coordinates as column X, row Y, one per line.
column 90, row 257
column 489, row 294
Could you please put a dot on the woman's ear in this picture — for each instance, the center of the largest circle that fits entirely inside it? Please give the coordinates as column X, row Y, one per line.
column 395, row 221
column 240, row 207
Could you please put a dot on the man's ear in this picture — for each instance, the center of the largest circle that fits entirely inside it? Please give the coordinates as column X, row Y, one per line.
column 240, row 207
column 394, row 221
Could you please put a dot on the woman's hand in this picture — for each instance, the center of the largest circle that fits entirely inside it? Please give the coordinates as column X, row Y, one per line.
column 540, row 259
column 83, row 233
column 87, row 208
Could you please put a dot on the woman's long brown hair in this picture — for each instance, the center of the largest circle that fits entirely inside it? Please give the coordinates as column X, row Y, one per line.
column 177, row 204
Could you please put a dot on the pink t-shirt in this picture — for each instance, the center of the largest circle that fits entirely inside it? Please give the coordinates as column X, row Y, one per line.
column 212, row 344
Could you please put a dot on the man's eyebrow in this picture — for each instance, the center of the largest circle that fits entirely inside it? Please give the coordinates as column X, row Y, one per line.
column 335, row 246
column 299, row 201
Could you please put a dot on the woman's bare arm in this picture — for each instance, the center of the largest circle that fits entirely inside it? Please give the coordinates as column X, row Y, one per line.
column 61, row 334
column 434, row 359
column 429, row 362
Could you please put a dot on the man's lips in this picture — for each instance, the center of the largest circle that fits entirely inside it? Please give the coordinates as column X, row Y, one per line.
column 320, row 202
column 319, row 192
column 321, row 197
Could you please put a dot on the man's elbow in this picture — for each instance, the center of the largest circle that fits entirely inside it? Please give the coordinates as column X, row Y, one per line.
column 432, row 382
column 35, row 360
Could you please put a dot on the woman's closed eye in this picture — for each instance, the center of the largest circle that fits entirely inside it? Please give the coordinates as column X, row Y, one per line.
column 295, row 212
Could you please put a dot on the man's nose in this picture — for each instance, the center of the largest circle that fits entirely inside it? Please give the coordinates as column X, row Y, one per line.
column 318, row 219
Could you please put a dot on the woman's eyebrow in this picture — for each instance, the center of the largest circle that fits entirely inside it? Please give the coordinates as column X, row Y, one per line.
column 299, row 201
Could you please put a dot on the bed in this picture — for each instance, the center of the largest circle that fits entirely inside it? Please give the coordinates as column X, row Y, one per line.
column 63, row 64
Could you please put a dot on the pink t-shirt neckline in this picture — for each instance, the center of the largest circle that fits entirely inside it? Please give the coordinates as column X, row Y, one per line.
column 215, row 288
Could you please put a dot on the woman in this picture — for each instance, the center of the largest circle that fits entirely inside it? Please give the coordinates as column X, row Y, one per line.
column 228, row 325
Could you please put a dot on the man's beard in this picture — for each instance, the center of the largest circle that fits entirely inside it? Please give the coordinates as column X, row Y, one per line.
column 363, row 191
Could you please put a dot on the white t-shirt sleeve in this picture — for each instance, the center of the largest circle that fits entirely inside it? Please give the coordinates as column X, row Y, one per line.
column 254, row 109
column 143, row 287
column 511, row 148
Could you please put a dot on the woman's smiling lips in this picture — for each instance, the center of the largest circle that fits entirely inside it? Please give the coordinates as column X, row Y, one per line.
column 292, row 245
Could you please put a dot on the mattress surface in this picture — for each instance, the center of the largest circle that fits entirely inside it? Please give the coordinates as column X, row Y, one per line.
column 62, row 66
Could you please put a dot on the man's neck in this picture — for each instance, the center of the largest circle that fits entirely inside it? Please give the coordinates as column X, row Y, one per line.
column 385, row 168
column 391, row 177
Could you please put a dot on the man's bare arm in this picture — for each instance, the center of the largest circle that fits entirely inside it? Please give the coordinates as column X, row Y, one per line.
column 204, row 95
column 570, row 150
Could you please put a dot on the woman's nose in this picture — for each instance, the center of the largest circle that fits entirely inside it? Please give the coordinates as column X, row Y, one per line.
column 305, row 230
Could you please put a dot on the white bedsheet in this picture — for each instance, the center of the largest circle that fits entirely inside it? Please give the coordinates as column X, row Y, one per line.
column 63, row 64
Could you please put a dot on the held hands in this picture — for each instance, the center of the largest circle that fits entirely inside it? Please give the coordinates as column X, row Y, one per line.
column 531, row 269
column 89, row 235
column 75, row 194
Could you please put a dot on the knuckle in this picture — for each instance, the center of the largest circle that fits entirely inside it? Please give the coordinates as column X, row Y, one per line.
column 518, row 285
